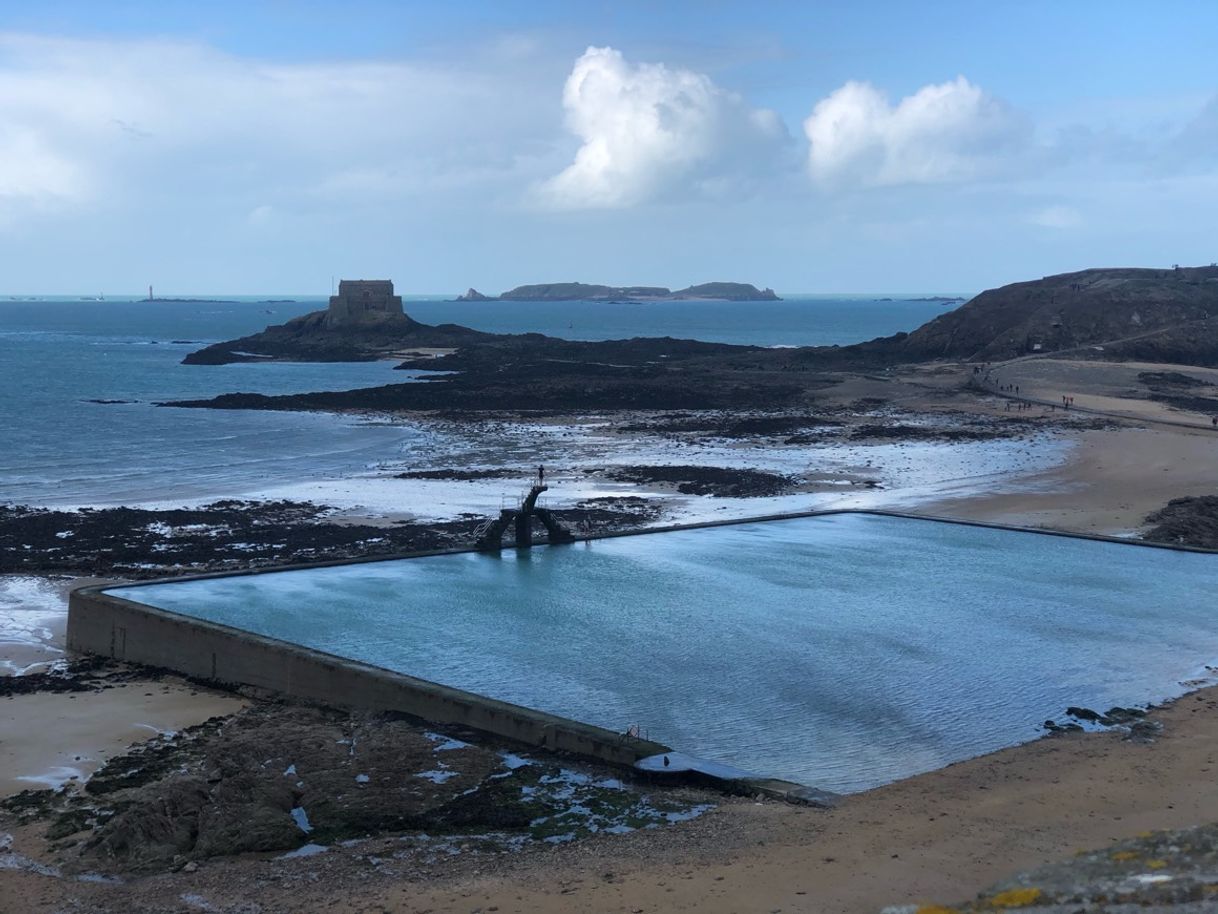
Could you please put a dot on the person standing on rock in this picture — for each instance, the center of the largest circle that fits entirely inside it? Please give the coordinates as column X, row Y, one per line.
column 541, row 474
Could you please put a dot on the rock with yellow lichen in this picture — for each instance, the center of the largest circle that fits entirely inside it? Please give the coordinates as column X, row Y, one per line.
column 1172, row 872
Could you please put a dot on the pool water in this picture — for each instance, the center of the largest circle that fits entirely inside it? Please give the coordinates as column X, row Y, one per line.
column 840, row 651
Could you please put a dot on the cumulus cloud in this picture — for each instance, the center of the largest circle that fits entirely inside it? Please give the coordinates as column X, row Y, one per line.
column 650, row 131
column 943, row 133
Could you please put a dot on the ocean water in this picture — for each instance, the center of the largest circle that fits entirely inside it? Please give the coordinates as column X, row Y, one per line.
column 56, row 356
column 841, row 652
column 798, row 320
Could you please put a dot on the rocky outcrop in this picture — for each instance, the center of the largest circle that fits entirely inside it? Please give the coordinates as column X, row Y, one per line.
column 472, row 294
column 725, row 291
column 279, row 777
column 314, row 337
column 1160, row 315
column 1163, row 871
column 1191, row 521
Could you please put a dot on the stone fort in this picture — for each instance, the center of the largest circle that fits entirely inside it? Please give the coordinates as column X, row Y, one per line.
column 362, row 300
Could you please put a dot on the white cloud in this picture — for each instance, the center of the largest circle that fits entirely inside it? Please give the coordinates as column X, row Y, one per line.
column 650, row 131
column 122, row 122
column 945, row 133
column 31, row 170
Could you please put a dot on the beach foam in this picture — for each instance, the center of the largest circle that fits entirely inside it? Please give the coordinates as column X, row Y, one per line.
column 33, row 612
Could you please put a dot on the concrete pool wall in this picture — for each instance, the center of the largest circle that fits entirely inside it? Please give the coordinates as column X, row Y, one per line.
column 100, row 623
column 124, row 629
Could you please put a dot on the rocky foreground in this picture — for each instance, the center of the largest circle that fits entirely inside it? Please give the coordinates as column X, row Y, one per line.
column 288, row 778
column 1170, row 872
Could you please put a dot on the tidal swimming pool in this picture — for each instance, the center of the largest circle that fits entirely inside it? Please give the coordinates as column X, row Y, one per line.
column 840, row 651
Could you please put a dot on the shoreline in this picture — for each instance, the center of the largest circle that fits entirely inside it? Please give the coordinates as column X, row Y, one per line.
column 935, row 837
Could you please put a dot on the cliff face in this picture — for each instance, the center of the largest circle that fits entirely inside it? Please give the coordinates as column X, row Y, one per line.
column 1113, row 308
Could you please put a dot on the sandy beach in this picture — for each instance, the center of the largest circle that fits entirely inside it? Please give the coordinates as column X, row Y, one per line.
column 1109, row 482
column 79, row 731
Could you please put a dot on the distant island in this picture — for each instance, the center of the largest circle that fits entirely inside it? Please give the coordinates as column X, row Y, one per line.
column 578, row 291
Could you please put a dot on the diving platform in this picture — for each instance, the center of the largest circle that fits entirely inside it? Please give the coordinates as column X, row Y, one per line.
column 489, row 535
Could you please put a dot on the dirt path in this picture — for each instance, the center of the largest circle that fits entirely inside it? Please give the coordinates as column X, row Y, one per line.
column 1110, row 389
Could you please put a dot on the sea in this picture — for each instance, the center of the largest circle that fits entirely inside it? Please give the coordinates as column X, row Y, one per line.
column 81, row 380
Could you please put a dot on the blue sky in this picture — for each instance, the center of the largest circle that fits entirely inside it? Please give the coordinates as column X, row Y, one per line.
column 263, row 147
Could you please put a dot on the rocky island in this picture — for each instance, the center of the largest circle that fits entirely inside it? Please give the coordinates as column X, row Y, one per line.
column 1168, row 316
column 578, row 291
column 364, row 322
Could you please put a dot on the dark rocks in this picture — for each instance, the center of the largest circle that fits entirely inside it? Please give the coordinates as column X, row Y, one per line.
column 1191, row 521
column 458, row 474
column 1130, row 720
column 1155, row 379
column 274, row 776
column 1053, row 726
column 723, row 482
column 1088, row 715
column 901, row 432
column 85, row 674
column 139, row 543
column 314, row 338
column 734, row 424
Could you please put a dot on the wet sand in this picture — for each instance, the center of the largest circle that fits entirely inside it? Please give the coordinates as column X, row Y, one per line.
column 48, row 738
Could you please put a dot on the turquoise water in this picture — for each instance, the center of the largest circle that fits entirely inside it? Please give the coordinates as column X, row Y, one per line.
column 57, row 356
column 842, row 651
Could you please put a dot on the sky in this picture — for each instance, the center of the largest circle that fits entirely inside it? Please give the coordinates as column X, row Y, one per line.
column 266, row 147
